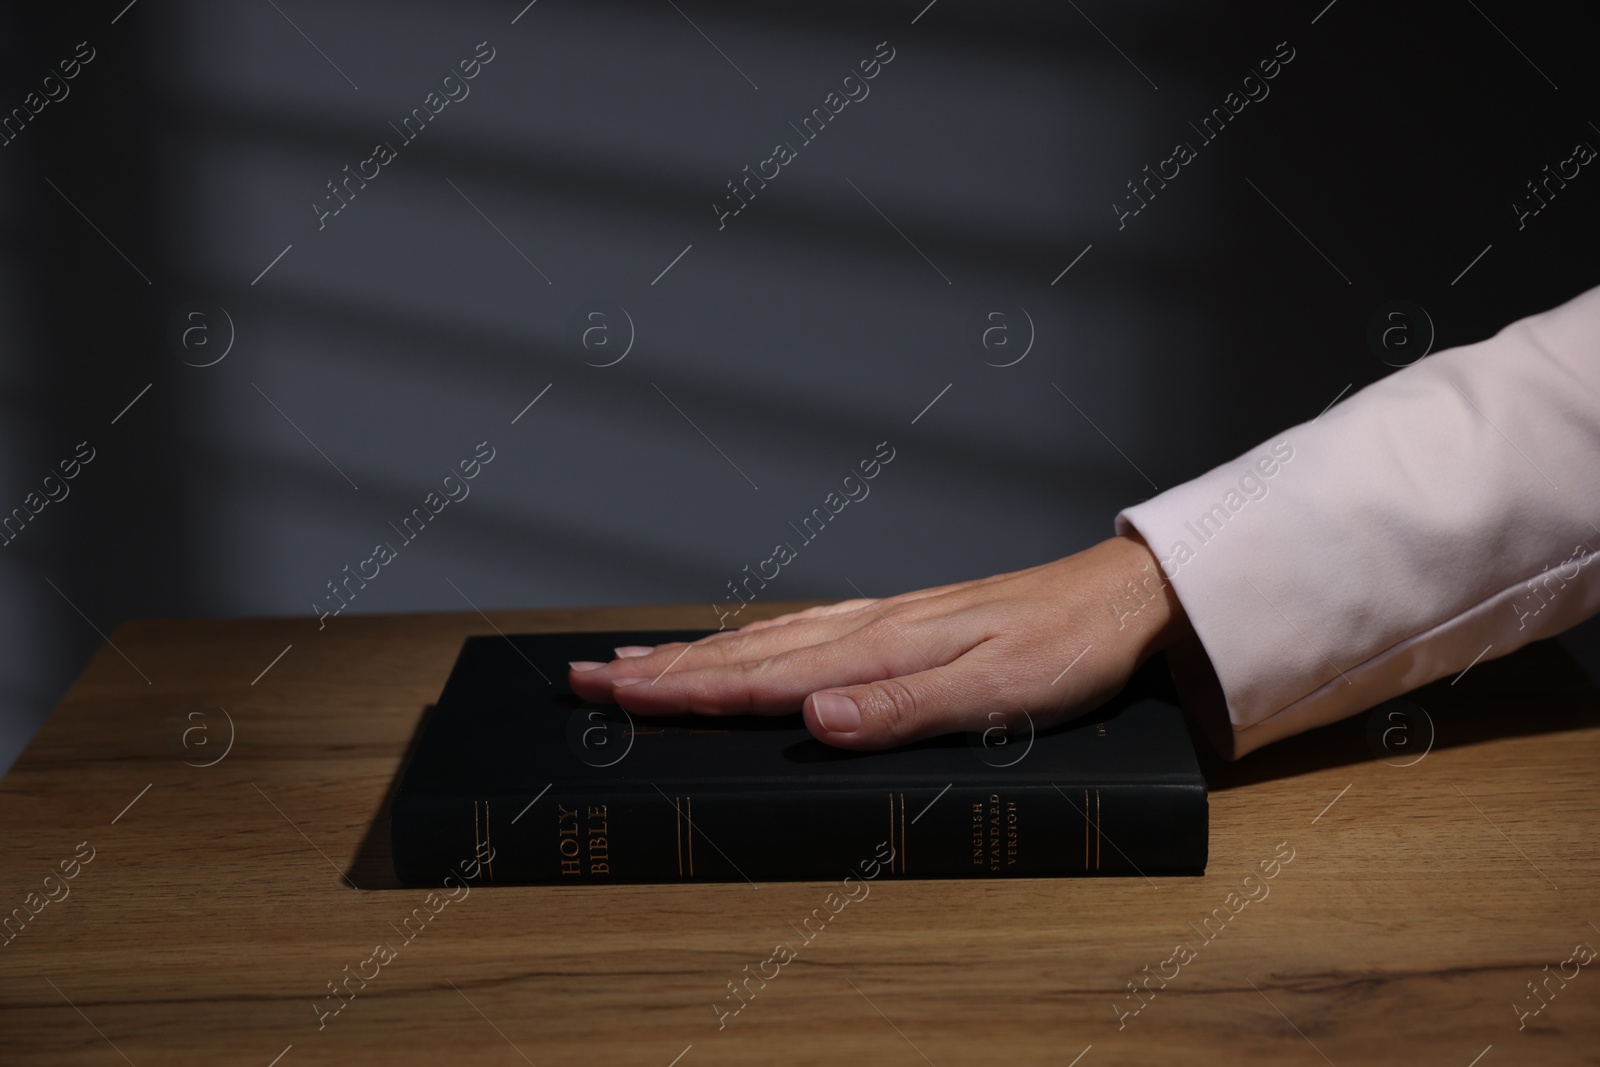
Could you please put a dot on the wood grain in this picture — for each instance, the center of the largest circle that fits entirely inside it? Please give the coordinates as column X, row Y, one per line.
column 218, row 906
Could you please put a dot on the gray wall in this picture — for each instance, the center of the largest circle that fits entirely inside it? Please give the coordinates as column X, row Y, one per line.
column 812, row 326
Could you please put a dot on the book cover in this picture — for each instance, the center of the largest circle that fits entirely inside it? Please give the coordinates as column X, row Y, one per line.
column 516, row 780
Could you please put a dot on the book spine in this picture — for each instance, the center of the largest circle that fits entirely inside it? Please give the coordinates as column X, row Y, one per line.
column 678, row 833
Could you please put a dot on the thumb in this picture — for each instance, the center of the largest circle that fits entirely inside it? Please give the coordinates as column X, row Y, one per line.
column 897, row 711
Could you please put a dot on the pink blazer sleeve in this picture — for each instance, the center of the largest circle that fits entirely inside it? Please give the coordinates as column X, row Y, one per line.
column 1447, row 514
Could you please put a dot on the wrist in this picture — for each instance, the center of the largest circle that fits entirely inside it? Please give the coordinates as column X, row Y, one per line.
column 1146, row 608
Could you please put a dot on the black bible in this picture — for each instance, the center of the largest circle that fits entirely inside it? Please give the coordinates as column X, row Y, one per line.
column 516, row 780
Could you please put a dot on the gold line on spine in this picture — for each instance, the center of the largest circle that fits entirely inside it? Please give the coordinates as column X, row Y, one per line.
column 893, row 852
column 1097, row 829
column 1086, row 829
column 902, row 833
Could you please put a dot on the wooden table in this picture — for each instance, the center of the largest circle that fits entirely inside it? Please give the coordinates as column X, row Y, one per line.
column 221, row 900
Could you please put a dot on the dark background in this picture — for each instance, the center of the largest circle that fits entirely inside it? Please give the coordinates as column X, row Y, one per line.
column 797, row 338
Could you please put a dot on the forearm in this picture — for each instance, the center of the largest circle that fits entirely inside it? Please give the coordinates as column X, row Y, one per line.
column 1448, row 512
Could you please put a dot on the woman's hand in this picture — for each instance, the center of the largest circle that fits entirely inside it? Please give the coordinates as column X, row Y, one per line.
column 1045, row 643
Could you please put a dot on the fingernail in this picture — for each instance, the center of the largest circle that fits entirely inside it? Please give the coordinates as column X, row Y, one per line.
column 633, row 650
column 620, row 682
column 584, row 665
column 836, row 712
